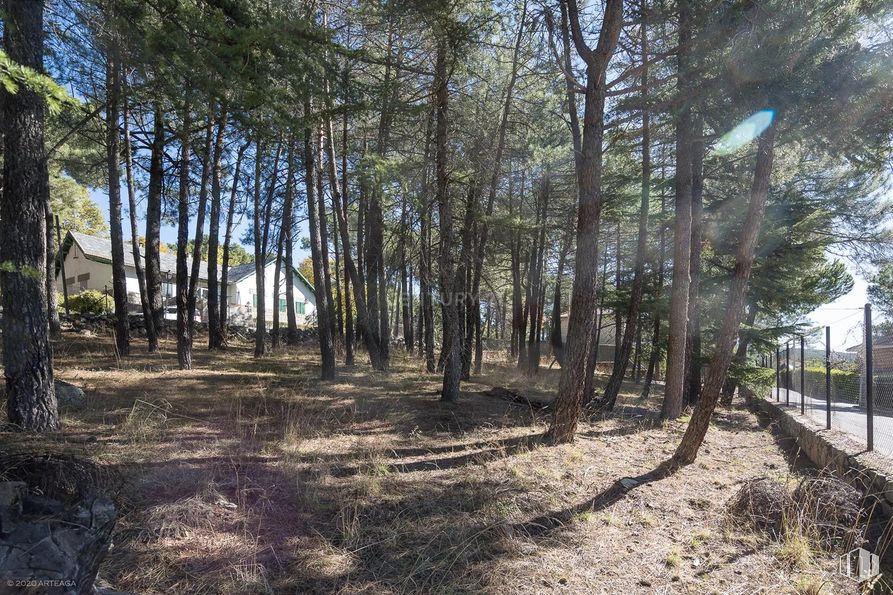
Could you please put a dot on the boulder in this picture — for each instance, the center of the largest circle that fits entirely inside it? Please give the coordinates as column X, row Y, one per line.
column 70, row 396
column 51, row 546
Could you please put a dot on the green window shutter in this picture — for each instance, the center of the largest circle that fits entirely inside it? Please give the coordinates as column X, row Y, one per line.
column 282, row 304
column 300, row 306
column 254, row 300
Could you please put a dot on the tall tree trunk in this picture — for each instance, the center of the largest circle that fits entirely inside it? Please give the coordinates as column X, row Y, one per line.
column 725, row 341
column 569, row 401
column 405, row 287
column 452, row 371
column 288, row 208
column 656, row 350
column 326, row 340
column 134, row 233
column 227, row 240
column 277, row 288
column 598, row 318
column 260, row 309
column 55, row 325
column 27, row 353
column 322, row 222
column 349, row 339
column 379, row 362
column 154, row 292
column 215, row 339
column 632, row 328
column 425, row 274
column 198, row 240
column 673, row 403
column 113, row 162
column 693, row 363
column 184, row 327
column 536, row 281
column 555, row 338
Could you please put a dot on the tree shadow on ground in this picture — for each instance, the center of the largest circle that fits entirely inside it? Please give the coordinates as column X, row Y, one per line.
column 551, row 521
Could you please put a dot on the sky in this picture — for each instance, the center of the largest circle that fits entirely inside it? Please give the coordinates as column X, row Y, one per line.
column 169, row 232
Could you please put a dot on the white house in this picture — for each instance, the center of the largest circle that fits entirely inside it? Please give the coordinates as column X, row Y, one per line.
column 88, row 265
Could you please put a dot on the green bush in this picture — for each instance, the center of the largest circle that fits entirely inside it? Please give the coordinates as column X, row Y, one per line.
column 89, row 301
column 844, row 384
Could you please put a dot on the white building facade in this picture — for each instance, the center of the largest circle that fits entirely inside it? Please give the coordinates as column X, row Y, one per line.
column 88, row 265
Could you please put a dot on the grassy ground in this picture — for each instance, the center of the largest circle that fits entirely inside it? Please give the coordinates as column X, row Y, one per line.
column 253, row 476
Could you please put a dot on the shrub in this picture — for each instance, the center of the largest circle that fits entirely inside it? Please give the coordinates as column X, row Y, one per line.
column 844, row 384
column 88, row 301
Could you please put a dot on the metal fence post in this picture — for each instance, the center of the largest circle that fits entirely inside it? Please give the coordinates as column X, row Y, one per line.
column 828, row 377
column 787, row 373
column 869, row 377
column 778, row 374
column 802, row 375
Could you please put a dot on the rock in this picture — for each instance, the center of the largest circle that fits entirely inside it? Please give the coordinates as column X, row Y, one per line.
column 68, row 395
column 62, row 549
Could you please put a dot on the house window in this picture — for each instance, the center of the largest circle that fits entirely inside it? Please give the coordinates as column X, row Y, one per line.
column 82, row 281
column 282, row 304
column 254, row 300
column 299, row 306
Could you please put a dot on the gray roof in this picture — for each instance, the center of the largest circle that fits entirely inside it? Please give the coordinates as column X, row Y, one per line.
column 100, row 249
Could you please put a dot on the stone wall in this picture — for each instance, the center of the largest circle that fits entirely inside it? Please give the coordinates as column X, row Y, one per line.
column 831, row 449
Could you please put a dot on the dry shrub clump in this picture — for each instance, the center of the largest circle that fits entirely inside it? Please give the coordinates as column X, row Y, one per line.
column 761, row 503
column 833, row 509
column 822, row 513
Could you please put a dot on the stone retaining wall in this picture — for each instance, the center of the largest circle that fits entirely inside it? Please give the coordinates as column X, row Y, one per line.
column 868, row 471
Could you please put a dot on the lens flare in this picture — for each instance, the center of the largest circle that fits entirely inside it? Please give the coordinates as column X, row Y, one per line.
column 745, row 132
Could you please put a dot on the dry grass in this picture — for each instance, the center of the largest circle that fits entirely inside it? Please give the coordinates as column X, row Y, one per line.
column 247, row 476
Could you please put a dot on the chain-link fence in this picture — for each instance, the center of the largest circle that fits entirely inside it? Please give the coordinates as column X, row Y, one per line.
column 844, row 382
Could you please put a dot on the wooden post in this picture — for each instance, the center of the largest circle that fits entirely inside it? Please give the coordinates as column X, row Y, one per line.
column 869, row 378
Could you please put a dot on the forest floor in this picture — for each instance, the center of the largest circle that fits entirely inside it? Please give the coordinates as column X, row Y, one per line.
column 247, row 475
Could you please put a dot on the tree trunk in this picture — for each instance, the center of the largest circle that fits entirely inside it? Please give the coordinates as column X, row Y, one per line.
column 632, row 327
column 277, row 288
column 452, row 370
column 27, row 354
column 148, row 320
column 113, row 162
column 215, row 339
column 227, row 240
column 569, row 401
column 184, row 327
column 673, row 403
column 555, row 338
column 731, row 384
column 154, row 291
column 379, row 362
column 199, row 238
column 725, row 341
column 536, row 281
column 322, row 222
column 55, row 325
column 342, row 207
column 288, row 208
column 260, row 311
column 693, row 364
